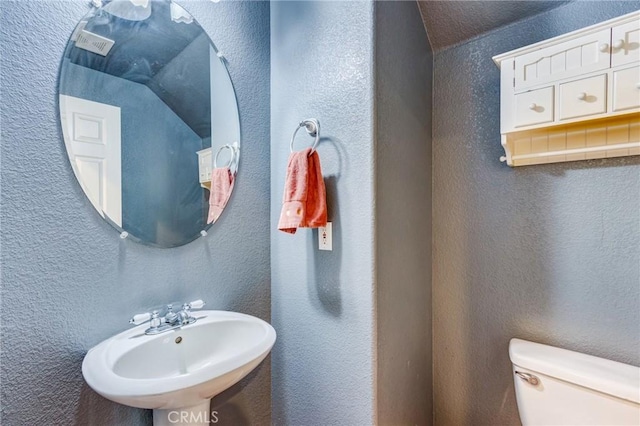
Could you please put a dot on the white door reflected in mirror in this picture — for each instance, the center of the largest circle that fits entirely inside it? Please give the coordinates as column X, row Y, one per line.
column 92, row 132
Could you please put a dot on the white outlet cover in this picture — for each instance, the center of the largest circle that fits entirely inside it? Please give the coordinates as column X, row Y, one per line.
column 325, row 237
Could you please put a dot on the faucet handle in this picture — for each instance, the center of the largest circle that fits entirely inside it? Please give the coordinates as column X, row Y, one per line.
column 140, row 318
column 155, row 320
column 196, row 304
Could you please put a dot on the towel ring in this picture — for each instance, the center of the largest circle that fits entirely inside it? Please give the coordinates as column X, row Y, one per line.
column 312, row 126
column 233, row 154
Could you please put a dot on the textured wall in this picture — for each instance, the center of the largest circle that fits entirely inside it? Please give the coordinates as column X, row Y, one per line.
column 547, row 253
column 66, row 276
column 452, row 22
column 322, row 302
column 403, row 215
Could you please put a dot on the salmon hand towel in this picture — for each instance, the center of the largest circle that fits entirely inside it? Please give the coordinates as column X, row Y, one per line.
column 221, row 187
column 305, row 197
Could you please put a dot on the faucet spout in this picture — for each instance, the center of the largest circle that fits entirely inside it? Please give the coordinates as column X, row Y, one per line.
column 182, row 318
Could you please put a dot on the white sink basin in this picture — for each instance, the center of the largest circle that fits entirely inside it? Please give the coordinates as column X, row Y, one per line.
column 180, row 369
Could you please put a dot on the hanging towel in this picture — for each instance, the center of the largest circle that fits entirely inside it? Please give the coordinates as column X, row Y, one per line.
column 305, row 197
column 221, row 187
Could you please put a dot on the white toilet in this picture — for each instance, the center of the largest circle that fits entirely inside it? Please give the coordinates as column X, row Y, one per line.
column 560, row 387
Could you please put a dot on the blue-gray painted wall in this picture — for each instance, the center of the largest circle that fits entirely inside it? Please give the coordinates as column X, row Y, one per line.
column 403, row 70
column 354, row 336
column 322, row 302
column 67, row 278
column 547, row 253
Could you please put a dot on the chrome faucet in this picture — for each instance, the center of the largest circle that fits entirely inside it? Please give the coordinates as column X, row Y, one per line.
column 170, row 321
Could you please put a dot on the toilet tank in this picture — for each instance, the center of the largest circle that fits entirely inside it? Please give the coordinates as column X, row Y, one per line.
column 560, row 387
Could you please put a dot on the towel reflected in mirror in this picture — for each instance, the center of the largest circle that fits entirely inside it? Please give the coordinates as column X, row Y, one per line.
column 221, row 186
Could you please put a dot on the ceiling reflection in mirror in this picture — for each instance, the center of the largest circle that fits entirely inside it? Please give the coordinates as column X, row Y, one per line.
column 150, row 120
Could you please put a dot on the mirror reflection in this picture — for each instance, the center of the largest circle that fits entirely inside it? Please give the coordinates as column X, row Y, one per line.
column 150, row 120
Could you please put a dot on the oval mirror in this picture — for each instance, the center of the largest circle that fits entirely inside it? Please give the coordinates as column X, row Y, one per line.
column 150, row 120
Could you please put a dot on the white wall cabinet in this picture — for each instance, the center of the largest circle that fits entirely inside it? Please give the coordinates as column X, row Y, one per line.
column 205, row 167
column 573, row 97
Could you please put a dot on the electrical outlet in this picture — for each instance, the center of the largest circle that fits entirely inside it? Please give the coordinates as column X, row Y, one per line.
column 325, row 237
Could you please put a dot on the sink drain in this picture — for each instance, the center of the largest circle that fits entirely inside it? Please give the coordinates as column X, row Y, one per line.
column 178, row 339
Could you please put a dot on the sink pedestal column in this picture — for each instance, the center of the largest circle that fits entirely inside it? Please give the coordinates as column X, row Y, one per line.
column 198, row 415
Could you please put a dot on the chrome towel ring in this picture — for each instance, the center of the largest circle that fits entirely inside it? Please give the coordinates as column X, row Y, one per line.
column 231, row 157
column 312, row 126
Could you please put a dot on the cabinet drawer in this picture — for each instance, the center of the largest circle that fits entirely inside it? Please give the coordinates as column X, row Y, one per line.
column 583, row 97
column 534, row 107
column 625, row 43
column 564, row 60
column 626, row 89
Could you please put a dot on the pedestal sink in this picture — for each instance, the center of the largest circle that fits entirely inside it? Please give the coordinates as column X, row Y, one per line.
column 176, row 373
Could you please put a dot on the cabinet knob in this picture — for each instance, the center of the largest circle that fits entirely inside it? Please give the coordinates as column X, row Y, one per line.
column 637, row 85
column 604, row 47
column 582, row 96
column 533, row 107
column 619, row 44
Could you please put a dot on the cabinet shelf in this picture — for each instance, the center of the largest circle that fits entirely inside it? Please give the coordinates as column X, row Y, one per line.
column 602, row 138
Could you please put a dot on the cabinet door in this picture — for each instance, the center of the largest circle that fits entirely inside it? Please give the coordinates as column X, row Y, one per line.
column 564, row 60
column 625, row 44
